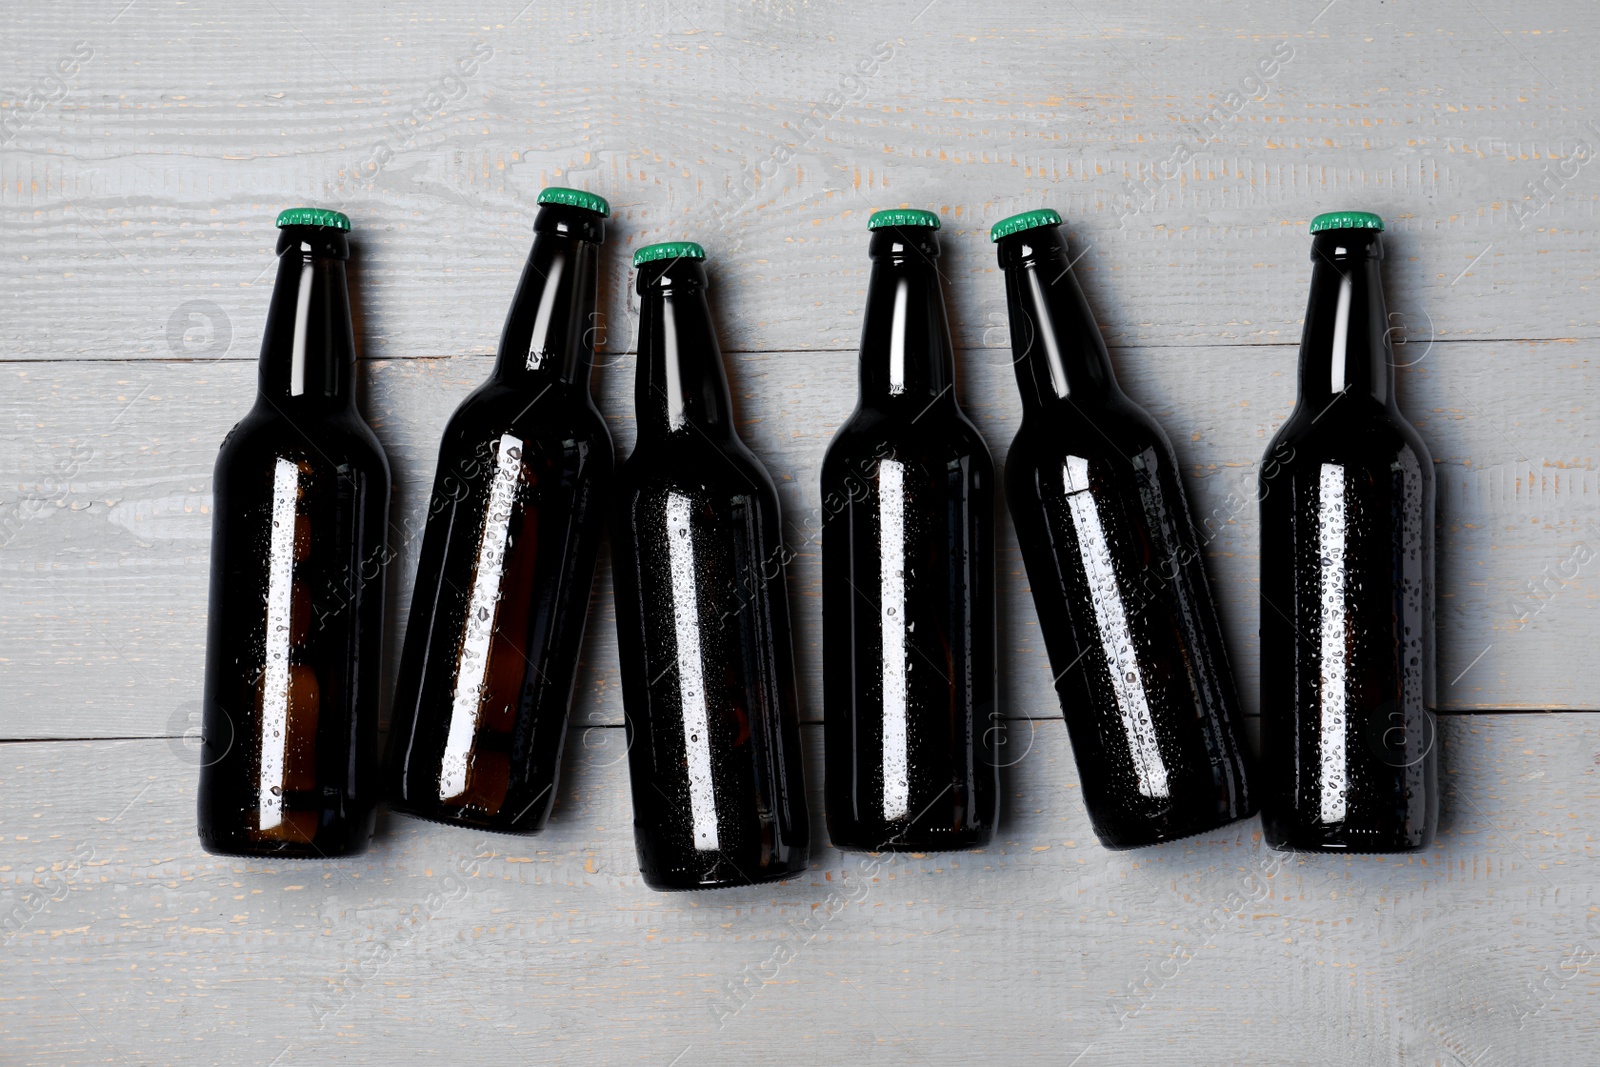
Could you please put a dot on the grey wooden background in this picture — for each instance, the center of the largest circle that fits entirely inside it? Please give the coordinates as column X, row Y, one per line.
column 144, row 149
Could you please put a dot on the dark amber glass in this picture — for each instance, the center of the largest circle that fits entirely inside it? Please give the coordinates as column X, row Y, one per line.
column 1118, row 577
column 508, row 558
column 702, row 616
column 294, row 637
column 1347, row 499
column 909, row 683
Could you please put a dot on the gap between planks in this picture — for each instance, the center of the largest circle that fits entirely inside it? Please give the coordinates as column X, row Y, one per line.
column 37, row 361
column 1454, row 714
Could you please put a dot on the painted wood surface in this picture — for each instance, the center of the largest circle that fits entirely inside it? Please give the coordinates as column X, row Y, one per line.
column 120, row 458
column 1188, row 144
column 146, row 146
column 447, row 946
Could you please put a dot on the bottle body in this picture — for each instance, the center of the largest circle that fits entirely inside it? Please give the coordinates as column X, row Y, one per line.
column 703, row 619
column 1347, row 585
column 507, row 564
column 1134, row 642
column 911, row 716
column 498, row 613
column 1116, row 568
column 295, row 625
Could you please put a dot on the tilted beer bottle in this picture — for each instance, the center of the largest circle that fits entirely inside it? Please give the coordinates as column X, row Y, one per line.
column 508, row 556
column 908, row 634
column 294, row 638
column 702, row 613
column 1115, row 564
column 1347, row 731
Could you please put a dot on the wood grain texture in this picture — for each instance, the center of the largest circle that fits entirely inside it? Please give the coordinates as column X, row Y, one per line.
column 1187, row 145
column 447, row 946
column 1187, row 173
column 113, row 500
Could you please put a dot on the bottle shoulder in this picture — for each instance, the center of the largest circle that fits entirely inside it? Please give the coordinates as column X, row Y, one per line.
column 558, row 412
column 336, row 440
column 937, row 435
column 1346, row 431
column 1116, row 431
column 695, row 463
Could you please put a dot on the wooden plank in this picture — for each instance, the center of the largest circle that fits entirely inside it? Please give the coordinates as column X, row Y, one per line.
column 1188, row 146
column 123, row 942
column 106, row 494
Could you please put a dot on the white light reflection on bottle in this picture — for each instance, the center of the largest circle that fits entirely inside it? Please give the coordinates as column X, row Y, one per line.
column 1332, row 760
column 1044, row 331
column 1116, row 637
column 539, row 342
column 302, row 322
column 897, row 340
column 690, row 671
column 677, row 418
column 275, row 672
column 892, row 616
column 1341, row 335
column 472, row 664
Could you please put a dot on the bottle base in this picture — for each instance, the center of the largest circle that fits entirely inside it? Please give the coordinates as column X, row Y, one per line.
column 303, row 834
column 902, row 842
column 1160, row 835
column 1311, row 843
column 280, row 850
column 689, row 882
column 464, row 821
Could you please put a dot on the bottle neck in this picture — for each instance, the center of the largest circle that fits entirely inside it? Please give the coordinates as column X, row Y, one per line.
column 1057, row 350
column 681, row 382
column 551, row 329
column 308, row 350
column 906, row 354
column 1345, row 347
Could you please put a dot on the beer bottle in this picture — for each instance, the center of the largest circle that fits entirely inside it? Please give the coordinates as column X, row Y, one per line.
column 908, row 633
column 1346, row 487
column 294, row 638
column 702, row 613
column 508, row 553
column 1114, row 560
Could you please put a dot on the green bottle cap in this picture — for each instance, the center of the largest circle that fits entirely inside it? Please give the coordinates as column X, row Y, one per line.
column 555, row 194
column 314, row 216
column 668, row 250
column 1346, row 220
column 903, row 216
column 1028, row 220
